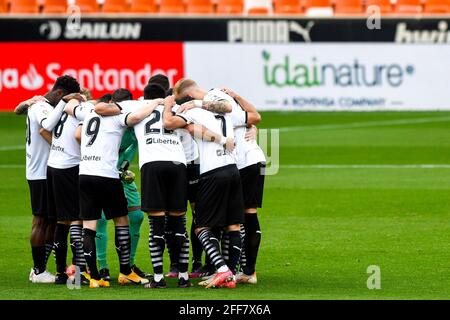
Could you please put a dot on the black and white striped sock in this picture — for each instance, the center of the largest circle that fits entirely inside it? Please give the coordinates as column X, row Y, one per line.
column 123, row 243
column 48, row 251
column 243, row 260
column 225, row 247
column 76, row 244
column 212, row 248
column 156, row 243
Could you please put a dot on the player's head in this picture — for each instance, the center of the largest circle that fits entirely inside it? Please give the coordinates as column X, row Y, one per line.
column 160, row 79
column 87, row 93
column 154, row 91
column 187, row 89
column 105, row 98
column 64, row 85
column 121, row 95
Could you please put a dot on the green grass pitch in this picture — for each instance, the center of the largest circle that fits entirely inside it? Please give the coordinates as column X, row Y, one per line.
column 322, row 226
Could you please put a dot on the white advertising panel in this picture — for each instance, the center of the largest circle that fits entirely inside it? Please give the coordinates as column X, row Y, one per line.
column 326, row 76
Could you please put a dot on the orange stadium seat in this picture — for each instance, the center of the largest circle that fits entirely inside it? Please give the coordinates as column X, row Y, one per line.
column 258, row 7
column 55, row 6
column 172, row 6
column 87, row 6
column 385, row 6
column 348, row 6
column 322, row 8
column 437, row 6
column 115, row 6
column 408, row 6
column 24, row 6
column 4, row 5
column 199, row 6
column 287, row 7
column 230, row 6
column 143, row 6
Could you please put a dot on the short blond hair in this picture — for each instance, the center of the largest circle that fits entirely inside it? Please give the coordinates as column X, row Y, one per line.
column 180, row 88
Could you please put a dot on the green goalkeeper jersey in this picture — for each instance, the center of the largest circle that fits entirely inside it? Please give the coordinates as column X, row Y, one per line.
column 128, row 147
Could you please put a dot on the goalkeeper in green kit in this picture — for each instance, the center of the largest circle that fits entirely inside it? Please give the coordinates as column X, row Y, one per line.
column 127, row 151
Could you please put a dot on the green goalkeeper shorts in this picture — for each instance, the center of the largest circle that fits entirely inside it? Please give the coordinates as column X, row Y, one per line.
column 132, row 194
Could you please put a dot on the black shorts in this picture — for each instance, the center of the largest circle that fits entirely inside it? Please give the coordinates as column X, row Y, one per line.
column 63, row 193
column 38, row 196
column 252, row 179
column 193, row 175
column 219, row 198
column 101, row 193
column 163, row 186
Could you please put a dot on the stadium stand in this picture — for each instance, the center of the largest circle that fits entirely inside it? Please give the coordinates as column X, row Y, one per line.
column 385, row 6
column 408, row 6
column 115, row 6
column 258, row 7
column 24, row 6
column 287, row 7
column 172, row 7
column 54, row 6
column 87, row 6
column 309, row 8
column 200, row 6
column 230, row 6
column 437, row 6
column 348, row 7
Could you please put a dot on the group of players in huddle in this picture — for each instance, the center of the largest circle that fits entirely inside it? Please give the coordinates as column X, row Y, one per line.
column 194, row 145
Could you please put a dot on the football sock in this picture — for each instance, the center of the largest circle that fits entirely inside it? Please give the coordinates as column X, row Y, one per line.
column 211, row 247
column 156, row 242
column 180, row 242
column 101, row 242
column 197, row 248
column 60, row 246
column 168, row 234
column 48, row 251
column 243, row 259
column 90, row 253
column 135, row 218
column 225, row 246
column 122, row 241
column 38, row 254
column 76, row 244
column 235, row 245
column 251, row 242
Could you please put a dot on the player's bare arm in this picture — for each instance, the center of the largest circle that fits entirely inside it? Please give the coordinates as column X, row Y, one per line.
column 47, row 135
column 22, row 108
column 205, row 134
column 71, row 105
column 170, row 121
column 107, row 109
column 78, row 133
column 143, row 112
column 220, row 106
column 253, row 116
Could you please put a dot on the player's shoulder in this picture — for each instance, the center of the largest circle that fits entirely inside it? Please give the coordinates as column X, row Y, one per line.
column 131, row 105
column 216, row 94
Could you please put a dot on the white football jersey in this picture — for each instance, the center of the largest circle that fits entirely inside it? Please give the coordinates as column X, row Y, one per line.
column 248, row 152
column 156, row 143
column 37, row 149
column 189, row 145
column 212, row 154
column 100, row 142
column 65, row 150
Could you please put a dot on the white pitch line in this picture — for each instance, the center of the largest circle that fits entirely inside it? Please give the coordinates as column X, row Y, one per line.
column 365, row 124
column 316, row 166
column 9, row 148
column 365, row 166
